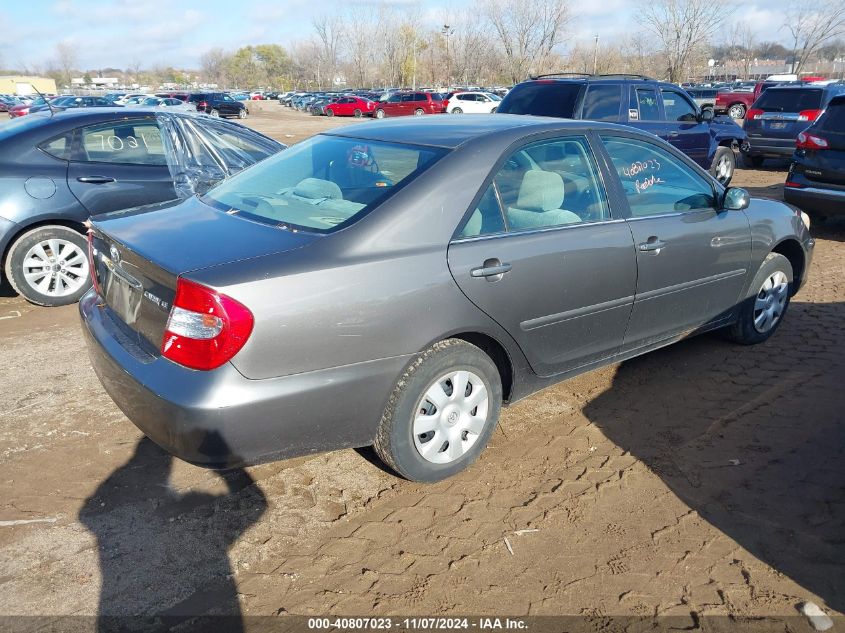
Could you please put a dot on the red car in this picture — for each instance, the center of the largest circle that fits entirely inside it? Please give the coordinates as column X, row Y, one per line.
column 405, row 103
column 350, row 106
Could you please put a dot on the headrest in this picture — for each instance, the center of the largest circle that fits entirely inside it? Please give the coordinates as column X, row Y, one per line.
column 315, row 188
column 540, row 191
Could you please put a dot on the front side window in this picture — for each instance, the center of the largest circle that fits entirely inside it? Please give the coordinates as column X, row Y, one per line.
column 655, row 181
column 677, row 107
column 127, row 142
column 602, row 102
column 324, row 183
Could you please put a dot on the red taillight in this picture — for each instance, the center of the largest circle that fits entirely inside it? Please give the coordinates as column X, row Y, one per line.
column 202, row 104
column 809, row 115
column 754, row 114
column 793, row 185
column 205, row 328
column 92, row 261
column 810, row 141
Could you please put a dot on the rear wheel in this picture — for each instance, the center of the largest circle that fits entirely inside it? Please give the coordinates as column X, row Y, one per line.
column 379, row 114
column 329, row 112
column 737, row 111
column 242, row 113
column 357, row 113
column 48, row 266
column 419, row 112
column 762, row 313
column 724, row 164
column 214, row 112
column 441, row 413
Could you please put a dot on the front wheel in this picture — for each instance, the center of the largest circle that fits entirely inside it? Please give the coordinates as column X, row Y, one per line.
column 379, row 114
column 329, row 112
column 49, row 266
column 737, row 111
column 441, row 413
column 761, row 314
column 242, row 113
column 457, row 111
column 724, row 164
column 419, row 112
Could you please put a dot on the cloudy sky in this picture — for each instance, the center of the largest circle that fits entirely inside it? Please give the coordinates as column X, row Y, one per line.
column 120, row 33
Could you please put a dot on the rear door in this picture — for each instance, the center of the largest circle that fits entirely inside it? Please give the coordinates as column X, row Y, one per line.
column 692, row 256
column 684, row 130
column 645, row 110
column 548, row 261
column 120, row 164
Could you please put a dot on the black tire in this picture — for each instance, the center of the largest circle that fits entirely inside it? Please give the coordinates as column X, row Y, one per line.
column 737, row 110
column 723, row 155
column 394, row 441
column 15, row 263
column 357, row 113
column 214, row 112
column 329, row 112
column 744, row 330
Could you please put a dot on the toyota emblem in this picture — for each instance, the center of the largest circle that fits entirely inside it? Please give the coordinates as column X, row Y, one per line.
column 115, row 254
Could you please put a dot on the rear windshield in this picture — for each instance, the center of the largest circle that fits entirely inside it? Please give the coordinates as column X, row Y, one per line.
column 789, row 100
column 833, row 119
column 322, row 184
column 552, row 98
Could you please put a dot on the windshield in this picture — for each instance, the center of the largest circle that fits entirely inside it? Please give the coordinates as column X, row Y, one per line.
column 324, row 183
column 542, row 98
column 789, row 100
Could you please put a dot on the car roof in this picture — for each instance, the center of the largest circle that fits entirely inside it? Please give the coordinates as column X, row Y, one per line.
column 452, row 131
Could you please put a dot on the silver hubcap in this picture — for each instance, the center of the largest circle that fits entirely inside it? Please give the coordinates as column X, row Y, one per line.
column 736, row 112
column 723, row 169
column 770, row 302
column 450, row 417
column 55, row 268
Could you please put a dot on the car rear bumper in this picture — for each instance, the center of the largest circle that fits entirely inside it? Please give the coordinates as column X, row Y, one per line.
column 816, row 199
column 221, row 419
column 760, row 146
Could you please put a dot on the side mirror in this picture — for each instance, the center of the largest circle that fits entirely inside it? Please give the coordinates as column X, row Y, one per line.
column 707, row 115
column 736, row 199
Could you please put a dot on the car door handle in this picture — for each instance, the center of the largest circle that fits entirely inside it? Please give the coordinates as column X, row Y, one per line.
column 95, row 180
column 652, row 245
column 492, row 269
column 673, row 134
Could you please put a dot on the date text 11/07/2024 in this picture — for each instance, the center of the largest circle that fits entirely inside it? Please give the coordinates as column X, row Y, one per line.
column 417, row 624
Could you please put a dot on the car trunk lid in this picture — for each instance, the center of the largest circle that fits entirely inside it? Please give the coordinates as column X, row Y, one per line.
column 139, row 254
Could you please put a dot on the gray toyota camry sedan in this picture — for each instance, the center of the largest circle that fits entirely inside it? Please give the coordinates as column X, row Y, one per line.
column 394, row 283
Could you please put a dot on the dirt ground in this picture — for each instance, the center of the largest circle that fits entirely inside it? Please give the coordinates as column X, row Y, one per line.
column 701, row 479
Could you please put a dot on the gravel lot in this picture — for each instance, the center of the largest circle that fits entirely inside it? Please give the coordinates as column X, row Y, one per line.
column 704, row 478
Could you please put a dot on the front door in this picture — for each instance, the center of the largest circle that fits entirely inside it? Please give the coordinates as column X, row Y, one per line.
column 120, row 164
column 685, row 131
column 692, row 256
column 542, row 255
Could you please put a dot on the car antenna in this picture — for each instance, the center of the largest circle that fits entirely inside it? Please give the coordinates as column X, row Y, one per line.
column 46, row 100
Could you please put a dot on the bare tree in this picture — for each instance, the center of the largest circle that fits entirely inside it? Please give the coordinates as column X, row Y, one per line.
column 360, row 33
column 682, row 27
column 739, row 48
column 528, row 31
column 330, row 33
column 811, row 24
column 214, row 65
column 65, row 61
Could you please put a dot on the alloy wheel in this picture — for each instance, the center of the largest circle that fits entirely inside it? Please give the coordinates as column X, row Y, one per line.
column 55, row 267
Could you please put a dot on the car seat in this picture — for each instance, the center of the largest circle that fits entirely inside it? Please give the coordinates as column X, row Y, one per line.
column 540, row 197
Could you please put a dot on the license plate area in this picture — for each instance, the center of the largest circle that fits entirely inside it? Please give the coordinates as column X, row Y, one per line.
column 777, row 125
column 122, row 292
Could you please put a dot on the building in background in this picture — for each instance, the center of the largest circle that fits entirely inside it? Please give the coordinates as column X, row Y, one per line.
column 23, row 85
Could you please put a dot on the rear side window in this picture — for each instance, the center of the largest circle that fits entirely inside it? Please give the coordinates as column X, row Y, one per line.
column 602, row 102
column 553, row 98
column 59, row 146
column 644, row 105
column 126, row 142
column 786, row 100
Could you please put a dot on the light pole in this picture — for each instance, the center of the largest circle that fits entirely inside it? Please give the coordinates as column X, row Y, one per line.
column 596, row 55
column 447, row 31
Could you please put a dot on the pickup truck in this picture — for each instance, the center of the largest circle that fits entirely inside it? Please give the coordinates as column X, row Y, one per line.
column 736, row 102
column 663, row 109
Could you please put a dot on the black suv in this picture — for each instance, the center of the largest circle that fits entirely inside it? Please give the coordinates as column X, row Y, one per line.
column 816, row 180
column 780, row 114
column 661, row 108
column 218, row 104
